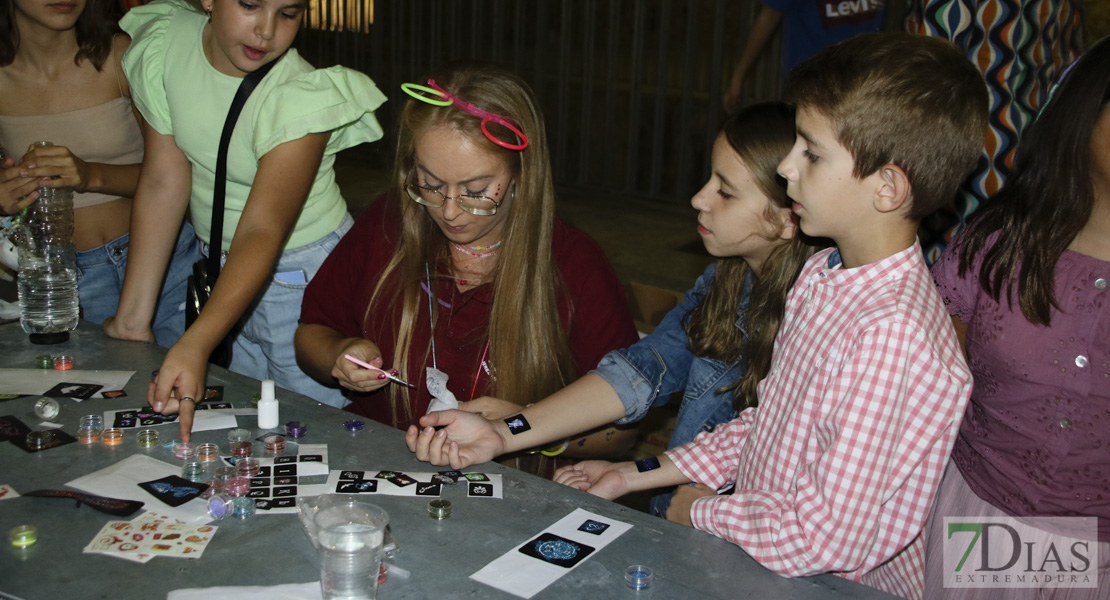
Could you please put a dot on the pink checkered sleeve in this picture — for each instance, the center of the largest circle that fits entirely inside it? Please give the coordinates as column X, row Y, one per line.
column 874, row 453
column 714, row 454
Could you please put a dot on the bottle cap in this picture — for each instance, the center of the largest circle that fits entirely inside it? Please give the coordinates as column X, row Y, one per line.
column 46, row 339
column 267, row 391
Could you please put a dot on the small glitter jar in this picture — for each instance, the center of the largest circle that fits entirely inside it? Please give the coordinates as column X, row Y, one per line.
column 239, row 442
column 39, row 440
column 237, row 486
column 184, row 450
column 208, row 452
column 242, row 508
column 93, row 421
column 23, row 536
column 220, row 506
column 247, row 467
column 353, row 425
column 192, row 471
column 638, row 577
column 88, row 435
column 274, row 443
column 439, row 509
column 44, row 361
column 148, row 438
column 112, row 436
column 47, row 408
column 295, row 429
column 63, row 362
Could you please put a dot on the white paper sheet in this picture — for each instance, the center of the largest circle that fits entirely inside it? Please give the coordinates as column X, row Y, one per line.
column 289, row 591
column 39, row 381
column 122, row 480
column 523, row 575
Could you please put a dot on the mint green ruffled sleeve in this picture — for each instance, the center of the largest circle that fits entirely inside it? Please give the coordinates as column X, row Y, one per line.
column 144, row 61
column 336, row 99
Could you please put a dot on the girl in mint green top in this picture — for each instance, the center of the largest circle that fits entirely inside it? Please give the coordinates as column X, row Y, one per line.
column 283, row 209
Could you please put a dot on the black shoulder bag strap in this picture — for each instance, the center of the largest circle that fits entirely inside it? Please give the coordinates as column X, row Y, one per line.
column 216, row 237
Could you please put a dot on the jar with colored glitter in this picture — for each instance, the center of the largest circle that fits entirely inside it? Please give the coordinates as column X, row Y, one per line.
column 238, row 486
column 239, row 442
column 112, row 436
column 39, row 440
column 295, row 429
column 63, row 363
column 247, row 467
column 148, row 438
column 274, row 443
column 184, row 450
column 242, row 508
column 220, row 506
column 88, row 435
column 193, row 471
column 208, row 452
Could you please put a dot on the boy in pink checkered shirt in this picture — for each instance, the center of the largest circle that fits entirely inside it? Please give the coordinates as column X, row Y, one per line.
column 835, row 469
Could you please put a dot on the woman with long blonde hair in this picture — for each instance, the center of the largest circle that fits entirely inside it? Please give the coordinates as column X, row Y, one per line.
column 464, row 269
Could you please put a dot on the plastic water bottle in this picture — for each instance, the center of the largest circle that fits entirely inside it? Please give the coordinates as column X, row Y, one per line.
column 48, row 302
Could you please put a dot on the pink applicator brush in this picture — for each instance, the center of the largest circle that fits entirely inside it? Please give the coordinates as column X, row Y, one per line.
column 366, row 365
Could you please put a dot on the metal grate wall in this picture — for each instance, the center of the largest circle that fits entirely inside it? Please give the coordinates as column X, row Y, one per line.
column 631, row 89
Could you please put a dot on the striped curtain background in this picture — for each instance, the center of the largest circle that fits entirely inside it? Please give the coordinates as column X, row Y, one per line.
column 1020, row 46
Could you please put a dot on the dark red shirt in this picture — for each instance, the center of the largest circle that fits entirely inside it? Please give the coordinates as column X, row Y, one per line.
column 592, row 308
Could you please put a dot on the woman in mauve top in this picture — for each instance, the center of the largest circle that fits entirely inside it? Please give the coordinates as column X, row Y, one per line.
column 1027, row 287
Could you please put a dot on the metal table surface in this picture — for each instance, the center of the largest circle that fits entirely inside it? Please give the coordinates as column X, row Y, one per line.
column 273, row 549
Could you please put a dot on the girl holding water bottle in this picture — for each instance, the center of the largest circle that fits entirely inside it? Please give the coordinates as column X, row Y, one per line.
column 62, row 81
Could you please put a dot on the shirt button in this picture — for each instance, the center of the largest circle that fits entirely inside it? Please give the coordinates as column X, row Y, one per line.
column 1100, row 283
column 1080, row 361
column 1065, row 423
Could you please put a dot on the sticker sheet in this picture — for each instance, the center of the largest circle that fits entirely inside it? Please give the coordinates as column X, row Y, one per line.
column 544, row 558
column 150, row 535
column 396, row 483
column 278, row 483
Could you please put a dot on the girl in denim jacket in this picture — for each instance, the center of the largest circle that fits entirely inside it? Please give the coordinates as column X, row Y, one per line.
column 716, row 345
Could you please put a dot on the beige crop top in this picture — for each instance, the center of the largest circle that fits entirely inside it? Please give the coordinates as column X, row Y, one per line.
column 106, row 133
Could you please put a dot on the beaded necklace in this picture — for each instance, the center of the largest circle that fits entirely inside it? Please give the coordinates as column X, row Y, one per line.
column 478, row 251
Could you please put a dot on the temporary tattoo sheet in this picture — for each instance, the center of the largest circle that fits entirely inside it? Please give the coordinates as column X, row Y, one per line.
column 396, row 483
column 150, row 535
column 214, row 415
column 280, row 479
column 544, row 558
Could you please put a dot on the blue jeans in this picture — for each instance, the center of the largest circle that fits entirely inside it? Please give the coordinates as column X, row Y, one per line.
column 100, row 274
column 263, row 346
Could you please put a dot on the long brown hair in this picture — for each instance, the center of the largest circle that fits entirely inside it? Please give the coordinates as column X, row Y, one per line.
column 1048, row 198
column 761, row 135
column 94, row 30
column 528, row 350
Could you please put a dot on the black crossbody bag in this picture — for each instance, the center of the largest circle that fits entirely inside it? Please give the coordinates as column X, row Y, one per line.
column 207, row 270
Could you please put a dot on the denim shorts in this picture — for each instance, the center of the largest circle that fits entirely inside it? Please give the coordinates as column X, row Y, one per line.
column 100, row 274
column 263, row 347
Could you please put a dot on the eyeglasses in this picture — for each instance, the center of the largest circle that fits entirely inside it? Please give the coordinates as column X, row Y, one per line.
column 442, row 98
column 482, row 206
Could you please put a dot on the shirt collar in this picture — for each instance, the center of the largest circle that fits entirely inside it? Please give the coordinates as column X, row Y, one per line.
column 834, row 273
